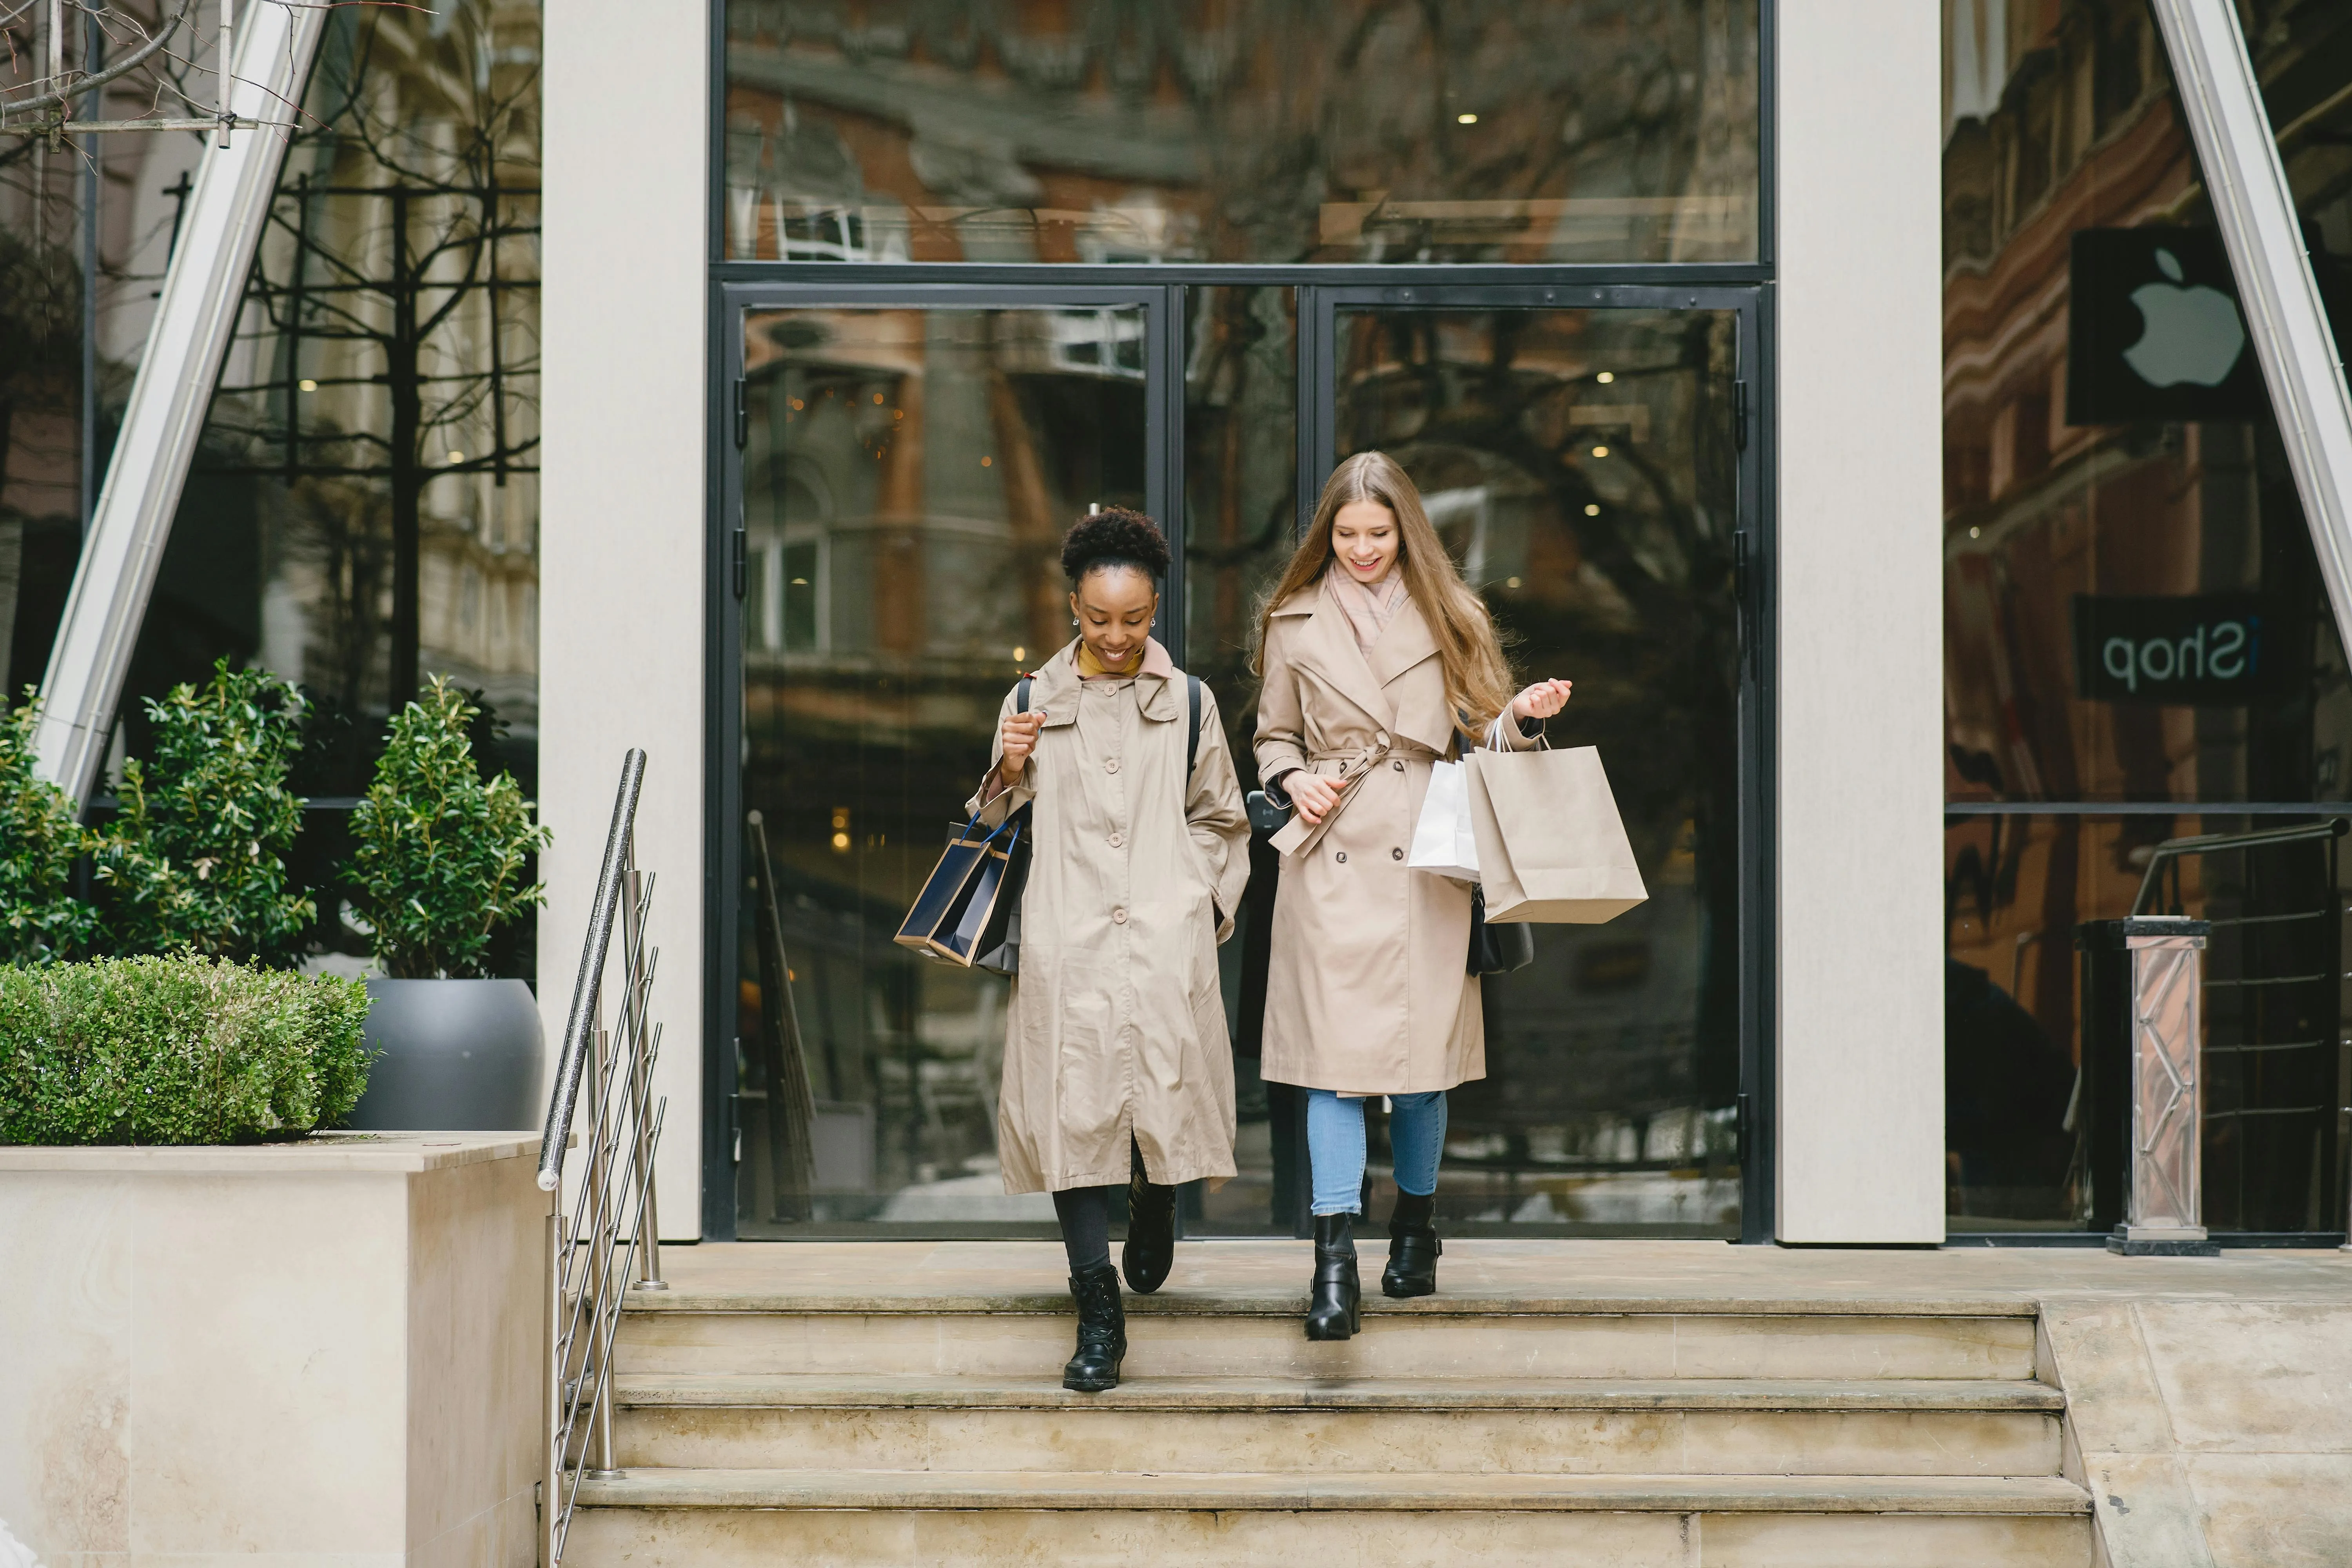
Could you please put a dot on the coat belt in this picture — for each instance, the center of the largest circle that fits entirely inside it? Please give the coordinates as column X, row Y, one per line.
column 1301, row 836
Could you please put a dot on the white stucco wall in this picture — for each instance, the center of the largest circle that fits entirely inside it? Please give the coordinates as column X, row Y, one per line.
column 1861, row 1091
column 621, row 529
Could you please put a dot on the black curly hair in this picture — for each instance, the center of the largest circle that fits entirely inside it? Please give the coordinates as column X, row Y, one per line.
column 1115, row 537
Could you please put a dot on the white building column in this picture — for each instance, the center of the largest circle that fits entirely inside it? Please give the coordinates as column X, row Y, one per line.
column 1860, row 787
column 621, row 515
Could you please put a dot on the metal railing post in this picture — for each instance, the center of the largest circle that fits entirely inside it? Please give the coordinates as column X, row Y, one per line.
column 551, row 1477
column 2163, row 1197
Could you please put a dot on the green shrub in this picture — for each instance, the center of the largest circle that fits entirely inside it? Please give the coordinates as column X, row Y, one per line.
column 440, row 855
column 175, row 1050
column 40, row 838
column 195, row 861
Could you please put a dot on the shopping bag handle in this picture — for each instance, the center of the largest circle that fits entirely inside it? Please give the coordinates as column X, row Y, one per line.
column 1494, row 734
column 1011, row 817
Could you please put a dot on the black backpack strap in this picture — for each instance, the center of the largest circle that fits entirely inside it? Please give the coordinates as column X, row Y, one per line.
column 1191, row 736
column 1021, row 695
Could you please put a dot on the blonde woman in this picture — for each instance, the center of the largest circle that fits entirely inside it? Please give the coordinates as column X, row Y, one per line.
column 1117, row 1069
column 1378, row 661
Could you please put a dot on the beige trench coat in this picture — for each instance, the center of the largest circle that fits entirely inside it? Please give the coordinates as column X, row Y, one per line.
column 1367, row 992
column 1117, row 1022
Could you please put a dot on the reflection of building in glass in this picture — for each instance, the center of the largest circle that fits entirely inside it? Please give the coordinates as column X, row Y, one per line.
column 1601, row 130
column 2119, row 510
column 907, row 478
column 1582, row 466
column 381, row 397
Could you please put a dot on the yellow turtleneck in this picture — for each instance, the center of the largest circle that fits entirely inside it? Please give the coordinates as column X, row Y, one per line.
column 1090, row 667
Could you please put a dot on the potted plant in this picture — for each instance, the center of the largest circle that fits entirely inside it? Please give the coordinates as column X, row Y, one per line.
column 195, row 862
column 438, row 867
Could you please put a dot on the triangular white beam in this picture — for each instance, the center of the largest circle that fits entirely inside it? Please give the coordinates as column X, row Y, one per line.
column 203, row 291
column 2246, row 182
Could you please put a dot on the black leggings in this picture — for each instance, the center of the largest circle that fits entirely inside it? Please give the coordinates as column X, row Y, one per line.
column 1085, row 1214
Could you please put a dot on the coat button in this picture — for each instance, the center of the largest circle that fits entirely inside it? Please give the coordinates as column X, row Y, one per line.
column 1118, row 917
column 1397, row 765
column 1343, row 857
column 1396, row 853
column 1115, row 841
column 1111, row 766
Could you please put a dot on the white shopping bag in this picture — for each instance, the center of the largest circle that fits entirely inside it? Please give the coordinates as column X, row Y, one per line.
column 1442, row 840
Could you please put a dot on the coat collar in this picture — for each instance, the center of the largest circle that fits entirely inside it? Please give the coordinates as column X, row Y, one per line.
column 1055, row 684
column 1327, row 645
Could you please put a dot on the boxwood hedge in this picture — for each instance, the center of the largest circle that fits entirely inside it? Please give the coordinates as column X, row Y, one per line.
column 175, row 1050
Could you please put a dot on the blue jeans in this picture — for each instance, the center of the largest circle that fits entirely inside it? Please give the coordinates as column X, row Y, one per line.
column 1335, row 1146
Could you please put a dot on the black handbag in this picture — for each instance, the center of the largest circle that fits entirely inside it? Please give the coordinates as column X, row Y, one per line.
column 1497, row 948
column 1269, row 814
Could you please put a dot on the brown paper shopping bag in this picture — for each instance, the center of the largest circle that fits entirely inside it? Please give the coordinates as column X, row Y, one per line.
column 1551, row 848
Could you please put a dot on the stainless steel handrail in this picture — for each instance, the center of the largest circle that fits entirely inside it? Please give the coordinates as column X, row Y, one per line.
column 2215, row 843
column 587, row 988
column 610, row 1242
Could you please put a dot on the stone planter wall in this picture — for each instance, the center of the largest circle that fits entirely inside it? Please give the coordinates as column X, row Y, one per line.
column 328, row 1349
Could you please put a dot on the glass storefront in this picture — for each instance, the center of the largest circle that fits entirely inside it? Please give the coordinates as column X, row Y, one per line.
column 1341, row 131
column 915, row 434
column 2139, row 646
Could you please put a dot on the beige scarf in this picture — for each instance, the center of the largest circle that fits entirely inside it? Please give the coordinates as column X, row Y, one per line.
column 1368, row 609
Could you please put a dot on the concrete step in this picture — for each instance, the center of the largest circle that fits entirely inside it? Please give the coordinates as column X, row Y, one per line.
column 717, row 1519
column 1203, row 1335
column 1533, row 1427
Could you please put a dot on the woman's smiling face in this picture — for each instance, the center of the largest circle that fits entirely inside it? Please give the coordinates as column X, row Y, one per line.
column 1114, row 606
column 1365, row 537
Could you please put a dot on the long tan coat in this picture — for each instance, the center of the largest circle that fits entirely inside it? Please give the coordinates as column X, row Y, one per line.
column 1117, row 1022
column 1367, row 992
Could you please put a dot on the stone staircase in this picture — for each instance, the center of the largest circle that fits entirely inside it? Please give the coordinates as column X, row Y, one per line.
column 838, row 1426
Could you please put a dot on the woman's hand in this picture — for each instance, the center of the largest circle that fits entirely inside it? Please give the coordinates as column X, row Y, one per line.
column 1542, row 699
column 1019, row 734
column 1312, row 795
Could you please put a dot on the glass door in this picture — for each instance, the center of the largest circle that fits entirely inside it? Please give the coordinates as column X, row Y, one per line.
column 907, row 463
column 903, row 464
column 1585, row 453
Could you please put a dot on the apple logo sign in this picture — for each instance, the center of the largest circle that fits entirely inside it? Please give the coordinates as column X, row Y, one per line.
column 2190, row 333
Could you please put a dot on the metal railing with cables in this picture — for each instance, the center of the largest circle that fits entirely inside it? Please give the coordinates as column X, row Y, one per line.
column 609, row 1241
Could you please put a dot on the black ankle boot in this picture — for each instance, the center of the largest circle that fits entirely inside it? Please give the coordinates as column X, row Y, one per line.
column 1102, row 1331
column 1335, row 1303
column 1414, row 1247
column 1150, row 1249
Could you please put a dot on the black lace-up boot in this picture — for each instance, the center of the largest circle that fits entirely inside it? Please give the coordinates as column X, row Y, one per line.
column 1335, row 1303
column 1414, row 1247
column 1102, row 1331
column 1150, row 1249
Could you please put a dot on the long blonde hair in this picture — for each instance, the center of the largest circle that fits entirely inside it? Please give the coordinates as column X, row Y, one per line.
column 1478, row 680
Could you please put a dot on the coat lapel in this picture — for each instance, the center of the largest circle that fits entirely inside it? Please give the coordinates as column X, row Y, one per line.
column 1419, row 704
column 1157, row 700
column 1054, row 688
column 1326, row 645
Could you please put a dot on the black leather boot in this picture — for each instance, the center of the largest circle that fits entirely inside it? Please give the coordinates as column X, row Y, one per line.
column 1335, row 1303
column 1150, row 1249
column 1102, row 1331
column 1412, row 1261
